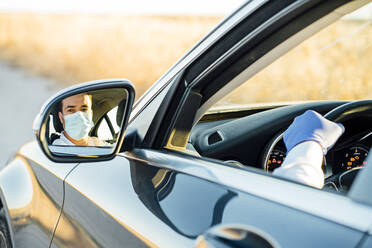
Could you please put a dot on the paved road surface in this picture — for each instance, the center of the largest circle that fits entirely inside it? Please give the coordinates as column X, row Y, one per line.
column 21, row 96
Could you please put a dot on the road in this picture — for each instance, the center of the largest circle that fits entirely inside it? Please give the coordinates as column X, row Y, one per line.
column 21, row 96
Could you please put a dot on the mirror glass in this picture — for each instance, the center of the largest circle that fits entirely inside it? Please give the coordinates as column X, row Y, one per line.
column 87, row 123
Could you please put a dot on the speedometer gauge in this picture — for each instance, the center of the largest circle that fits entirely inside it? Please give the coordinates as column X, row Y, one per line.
column 354, row 157
column 275, row 160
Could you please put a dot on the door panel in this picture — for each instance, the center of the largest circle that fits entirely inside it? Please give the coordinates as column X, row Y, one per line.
column 191, row 205
column 151, row 199
column 199, row 200
column 289, row 227
column 84, row 224
column 102, row 209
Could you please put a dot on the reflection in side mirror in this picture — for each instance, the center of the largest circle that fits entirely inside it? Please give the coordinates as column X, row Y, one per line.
column 86, row 122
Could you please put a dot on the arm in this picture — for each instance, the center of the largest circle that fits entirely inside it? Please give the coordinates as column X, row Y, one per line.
column 303, row 164
column 307, row 139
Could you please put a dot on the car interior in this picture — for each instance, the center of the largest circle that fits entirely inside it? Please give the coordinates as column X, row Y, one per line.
column 242, row 123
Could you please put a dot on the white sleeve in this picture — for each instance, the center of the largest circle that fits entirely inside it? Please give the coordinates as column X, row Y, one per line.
column 303, row 164
column 62, row 141
column 58, row 142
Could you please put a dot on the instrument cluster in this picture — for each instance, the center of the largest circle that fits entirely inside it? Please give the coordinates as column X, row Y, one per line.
column 347, row 155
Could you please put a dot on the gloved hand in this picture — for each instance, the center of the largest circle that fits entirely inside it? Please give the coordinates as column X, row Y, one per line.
column 311, row 126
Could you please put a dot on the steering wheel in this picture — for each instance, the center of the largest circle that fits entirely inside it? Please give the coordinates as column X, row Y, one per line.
column 347, row 111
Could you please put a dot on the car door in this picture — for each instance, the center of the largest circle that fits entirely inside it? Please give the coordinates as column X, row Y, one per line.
column 148, row 198
column 195, row 195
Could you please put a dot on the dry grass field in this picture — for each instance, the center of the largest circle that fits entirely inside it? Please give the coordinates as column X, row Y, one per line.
column 77, row 48
column 336, row 63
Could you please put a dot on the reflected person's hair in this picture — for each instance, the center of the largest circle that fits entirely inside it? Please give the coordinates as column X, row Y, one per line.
column 59, row 103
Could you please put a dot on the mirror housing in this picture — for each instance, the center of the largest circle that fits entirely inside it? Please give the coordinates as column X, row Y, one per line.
column 80, row 153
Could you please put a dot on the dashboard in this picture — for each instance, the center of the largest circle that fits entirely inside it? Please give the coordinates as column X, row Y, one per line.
column 338, row 160
column 349, row 153
column 252, row 139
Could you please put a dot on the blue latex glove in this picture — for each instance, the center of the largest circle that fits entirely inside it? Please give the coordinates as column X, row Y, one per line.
column 311, row 126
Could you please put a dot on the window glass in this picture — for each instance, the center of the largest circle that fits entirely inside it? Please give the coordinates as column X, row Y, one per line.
column 112, row 114
column 103, row 131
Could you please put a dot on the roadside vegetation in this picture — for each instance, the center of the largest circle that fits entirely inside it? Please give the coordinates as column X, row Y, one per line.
column 335, row 63
column 77, row 48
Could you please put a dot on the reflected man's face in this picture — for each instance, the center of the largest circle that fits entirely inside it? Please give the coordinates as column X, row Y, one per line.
column 73, row 104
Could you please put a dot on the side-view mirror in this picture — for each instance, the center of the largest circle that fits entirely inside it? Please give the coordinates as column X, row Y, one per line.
column 85, row 122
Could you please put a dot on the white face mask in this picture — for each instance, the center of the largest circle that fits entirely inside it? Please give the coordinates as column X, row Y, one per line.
column 78, row 125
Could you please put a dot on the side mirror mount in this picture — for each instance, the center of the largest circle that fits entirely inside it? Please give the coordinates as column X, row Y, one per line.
column 86, row 122
column 131, row 138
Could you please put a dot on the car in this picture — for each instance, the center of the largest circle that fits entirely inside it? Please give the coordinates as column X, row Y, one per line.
column 189, row 164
